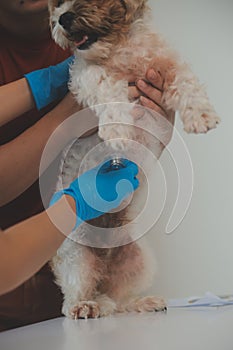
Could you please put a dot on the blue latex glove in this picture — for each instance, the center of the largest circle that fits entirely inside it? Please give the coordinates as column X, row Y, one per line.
column 49, row 84
column 100, row 189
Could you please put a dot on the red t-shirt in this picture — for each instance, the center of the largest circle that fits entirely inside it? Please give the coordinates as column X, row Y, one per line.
column 16, row 59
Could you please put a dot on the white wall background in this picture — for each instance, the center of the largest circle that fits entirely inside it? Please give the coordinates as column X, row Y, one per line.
column 198, row 256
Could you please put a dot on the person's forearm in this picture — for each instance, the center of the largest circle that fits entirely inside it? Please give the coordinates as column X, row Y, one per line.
column 15, row 99
column 26, row 247
column 20, row 158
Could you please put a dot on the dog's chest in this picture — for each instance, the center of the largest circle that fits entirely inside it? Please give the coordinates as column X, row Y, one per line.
column 80, row 156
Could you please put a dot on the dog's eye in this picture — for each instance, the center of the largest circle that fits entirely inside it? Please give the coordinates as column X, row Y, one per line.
column 60, row 2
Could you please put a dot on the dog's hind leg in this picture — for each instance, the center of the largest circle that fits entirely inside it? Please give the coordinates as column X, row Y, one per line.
column 146, row 304
column 130, row 274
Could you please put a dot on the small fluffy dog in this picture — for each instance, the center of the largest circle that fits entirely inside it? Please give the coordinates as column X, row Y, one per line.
column 112, row 45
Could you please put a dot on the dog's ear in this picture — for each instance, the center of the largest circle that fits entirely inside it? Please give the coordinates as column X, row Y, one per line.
column 51, row 5
column 135, row 9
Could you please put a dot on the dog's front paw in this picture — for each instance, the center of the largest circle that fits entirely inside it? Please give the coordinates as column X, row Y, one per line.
column 85, row 309
column 202, row 123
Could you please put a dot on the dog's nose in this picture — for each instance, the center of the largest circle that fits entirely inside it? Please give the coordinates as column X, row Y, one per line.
column 66, row 20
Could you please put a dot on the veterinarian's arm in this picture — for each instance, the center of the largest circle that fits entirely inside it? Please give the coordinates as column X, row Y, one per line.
column 20, row 158
column 37, row 89
column 27, row 246
column 15, row 99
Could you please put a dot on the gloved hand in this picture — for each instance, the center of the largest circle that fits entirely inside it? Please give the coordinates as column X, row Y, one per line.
column 100, row 189
column 49, row 84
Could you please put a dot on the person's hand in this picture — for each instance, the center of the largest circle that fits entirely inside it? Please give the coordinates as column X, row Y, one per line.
column 49, row 84
column 149, row 93
column 100, row 189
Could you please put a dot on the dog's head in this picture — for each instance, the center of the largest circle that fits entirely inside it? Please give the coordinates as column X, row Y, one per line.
column 82, row 24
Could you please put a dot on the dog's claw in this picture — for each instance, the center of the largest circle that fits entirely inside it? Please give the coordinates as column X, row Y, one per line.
column 85, row 310
column 163, row 310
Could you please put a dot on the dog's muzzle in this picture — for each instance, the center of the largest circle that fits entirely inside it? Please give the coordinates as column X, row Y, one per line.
column 82, row 40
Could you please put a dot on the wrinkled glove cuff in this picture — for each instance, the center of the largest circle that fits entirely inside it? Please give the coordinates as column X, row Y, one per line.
column 57, row 196
column 49, row 84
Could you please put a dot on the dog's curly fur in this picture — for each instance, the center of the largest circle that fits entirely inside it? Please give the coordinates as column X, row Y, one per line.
column 119, row 47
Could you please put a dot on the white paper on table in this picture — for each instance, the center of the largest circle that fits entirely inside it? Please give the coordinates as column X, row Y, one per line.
column 209, row 299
